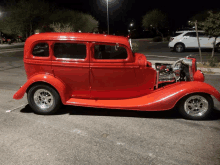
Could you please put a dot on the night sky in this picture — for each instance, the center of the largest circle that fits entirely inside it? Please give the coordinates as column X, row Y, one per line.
column 122, row 12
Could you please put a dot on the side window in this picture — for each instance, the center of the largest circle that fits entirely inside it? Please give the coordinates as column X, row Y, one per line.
column 110, row 52
column 190, row 34
column 176, row 34
column 202, row 34
column 41, row 50
column 70, row 50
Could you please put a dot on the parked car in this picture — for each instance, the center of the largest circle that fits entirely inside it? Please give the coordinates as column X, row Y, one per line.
column 97, row 70
column 8, row 40
column 188, row 40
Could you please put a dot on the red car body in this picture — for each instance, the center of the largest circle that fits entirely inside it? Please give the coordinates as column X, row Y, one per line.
column 129, row 83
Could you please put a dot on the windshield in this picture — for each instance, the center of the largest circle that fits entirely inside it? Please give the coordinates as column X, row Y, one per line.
column 131, row 47
column 130, row 44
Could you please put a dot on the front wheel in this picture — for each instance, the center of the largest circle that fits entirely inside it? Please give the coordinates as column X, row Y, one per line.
column 196, row 106
column 179, row 48
column 43, row 99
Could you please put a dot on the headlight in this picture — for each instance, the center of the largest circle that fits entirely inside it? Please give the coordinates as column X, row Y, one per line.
column 187, row 62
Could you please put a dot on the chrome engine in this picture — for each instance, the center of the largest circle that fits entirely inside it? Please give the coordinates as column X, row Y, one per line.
column 180, row 70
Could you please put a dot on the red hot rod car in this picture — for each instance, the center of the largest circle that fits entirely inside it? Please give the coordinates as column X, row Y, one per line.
column 96, row 70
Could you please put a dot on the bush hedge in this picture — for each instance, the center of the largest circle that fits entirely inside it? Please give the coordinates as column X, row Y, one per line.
column 168, row 38
column 157, row 39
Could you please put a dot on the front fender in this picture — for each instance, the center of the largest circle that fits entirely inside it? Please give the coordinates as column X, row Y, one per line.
column 161, row 99
column 166, row 98
column 56, row 83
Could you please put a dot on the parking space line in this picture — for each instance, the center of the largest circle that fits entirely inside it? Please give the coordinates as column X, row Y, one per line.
column 15, row 108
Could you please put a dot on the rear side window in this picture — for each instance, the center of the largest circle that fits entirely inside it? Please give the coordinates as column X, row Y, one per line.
column 190, row 34
column 110, row 52
column 70, row 50
column 202, row 34
column 41, row 50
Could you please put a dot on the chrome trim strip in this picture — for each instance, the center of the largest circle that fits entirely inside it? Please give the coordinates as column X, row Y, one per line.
column 157, row 81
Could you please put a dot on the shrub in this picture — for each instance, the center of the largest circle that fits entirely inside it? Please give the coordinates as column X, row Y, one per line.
column 157, row 39
column 213, row 62
column 61, row 27
column 168, row 38
column 135, row 47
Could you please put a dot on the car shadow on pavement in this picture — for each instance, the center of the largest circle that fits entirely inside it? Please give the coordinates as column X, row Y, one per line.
column 87, row 111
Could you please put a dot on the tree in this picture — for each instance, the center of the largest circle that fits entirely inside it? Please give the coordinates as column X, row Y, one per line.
column 155, row 18
column 200, row 17
column 24, row 16
column 77, row 20
column 60, row 27
column 211, row 26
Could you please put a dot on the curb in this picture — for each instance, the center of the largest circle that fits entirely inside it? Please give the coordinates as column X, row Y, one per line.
column 210, row 70
column 150, row 41
column 11, row 45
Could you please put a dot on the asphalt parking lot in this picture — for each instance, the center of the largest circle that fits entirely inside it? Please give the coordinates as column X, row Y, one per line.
column 78, row 135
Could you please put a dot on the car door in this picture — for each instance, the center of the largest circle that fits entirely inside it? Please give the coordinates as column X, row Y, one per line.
column 70, row 64
column 205, row 41
column 190, row 40
column 112, row 73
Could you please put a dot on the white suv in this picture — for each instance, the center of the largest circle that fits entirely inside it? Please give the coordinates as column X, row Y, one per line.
column 187, row 39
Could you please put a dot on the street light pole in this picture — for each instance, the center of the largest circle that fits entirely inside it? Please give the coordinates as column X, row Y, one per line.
column 1, row 31
column 107, row 17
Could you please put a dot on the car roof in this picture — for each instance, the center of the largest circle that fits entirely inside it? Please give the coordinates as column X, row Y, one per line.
column 188, row 31
column 77, row 36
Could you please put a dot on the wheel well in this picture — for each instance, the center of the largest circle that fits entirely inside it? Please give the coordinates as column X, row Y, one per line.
column 179, row 43
column 40, row 83
column 178, row 102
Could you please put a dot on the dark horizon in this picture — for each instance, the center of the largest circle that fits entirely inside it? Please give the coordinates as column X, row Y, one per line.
column 122, row 12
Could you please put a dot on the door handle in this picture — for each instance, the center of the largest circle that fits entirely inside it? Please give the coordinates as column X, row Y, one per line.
column 90, row 69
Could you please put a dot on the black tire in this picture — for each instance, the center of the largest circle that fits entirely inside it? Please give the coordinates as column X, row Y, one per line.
column 47, row 100
column 196, row 106
column 179, row 47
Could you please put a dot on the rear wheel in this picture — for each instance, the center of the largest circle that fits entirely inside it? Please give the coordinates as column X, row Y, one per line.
column 179, row 47
column 196, row 106
column 43, row 99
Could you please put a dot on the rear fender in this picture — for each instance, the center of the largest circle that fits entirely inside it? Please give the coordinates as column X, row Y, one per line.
column 56, row 83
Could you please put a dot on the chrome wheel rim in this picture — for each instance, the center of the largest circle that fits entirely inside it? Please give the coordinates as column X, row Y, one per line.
column 179, row 48
column 43, row 99
column 196, row 105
